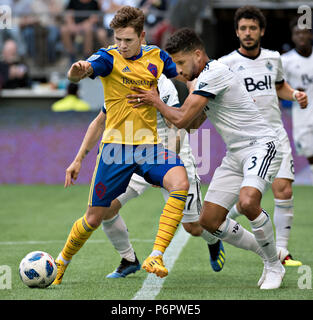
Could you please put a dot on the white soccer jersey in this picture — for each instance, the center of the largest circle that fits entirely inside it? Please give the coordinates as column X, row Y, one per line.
column 230, row 108
column 259, row 75
column 299, row 73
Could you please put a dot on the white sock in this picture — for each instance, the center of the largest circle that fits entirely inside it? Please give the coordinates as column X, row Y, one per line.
column 263, row 231
column 208, row 237
column 156, row 253
column 233, row 233
column 62, row 259
column 233, row 213
column 283, row 216
column 117, row 233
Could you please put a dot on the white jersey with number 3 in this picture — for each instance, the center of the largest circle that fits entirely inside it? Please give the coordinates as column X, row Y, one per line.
column 230, row 108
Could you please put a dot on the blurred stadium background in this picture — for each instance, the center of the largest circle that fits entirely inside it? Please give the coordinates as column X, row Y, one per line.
column 36, row 143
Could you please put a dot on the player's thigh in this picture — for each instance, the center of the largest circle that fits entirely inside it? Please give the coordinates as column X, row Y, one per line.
column 261, row 164
column 225, row 184
column 167, row 171
column 110, row 179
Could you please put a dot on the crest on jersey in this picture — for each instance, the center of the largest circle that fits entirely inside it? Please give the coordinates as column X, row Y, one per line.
column 202, row 85
column 269, row 66
column 165, row 98
column 153, row 69
column 241, row 68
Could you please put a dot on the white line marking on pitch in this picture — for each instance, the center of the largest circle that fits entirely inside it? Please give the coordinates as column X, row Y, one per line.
column 153, row 284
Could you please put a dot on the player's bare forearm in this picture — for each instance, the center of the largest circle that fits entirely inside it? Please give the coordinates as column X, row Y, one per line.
column 197, row 122
column 180, row 117
column 92, row 136
column 79, row 70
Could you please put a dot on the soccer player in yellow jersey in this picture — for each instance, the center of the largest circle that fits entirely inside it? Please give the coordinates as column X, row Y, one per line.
column 130, row 143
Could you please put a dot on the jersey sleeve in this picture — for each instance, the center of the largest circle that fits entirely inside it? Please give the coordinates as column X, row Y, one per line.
column 280, row 72
column 210, row 82
column 168, row 92
column 101, row 63
column 169, row 68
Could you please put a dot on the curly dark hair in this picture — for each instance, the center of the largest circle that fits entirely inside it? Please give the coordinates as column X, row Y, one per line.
column 184, row 39
column 250, row 12
column 129, row 16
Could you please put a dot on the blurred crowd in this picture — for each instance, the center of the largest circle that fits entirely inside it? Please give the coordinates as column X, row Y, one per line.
column 44, row 31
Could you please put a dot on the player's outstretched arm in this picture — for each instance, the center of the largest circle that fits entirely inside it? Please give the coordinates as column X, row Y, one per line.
column 79, row 70
column 91, row 138
column 181, row 117
column 286, row 92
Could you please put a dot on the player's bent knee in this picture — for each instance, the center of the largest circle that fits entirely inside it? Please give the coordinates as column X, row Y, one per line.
column 95, row 215
column 193, row 228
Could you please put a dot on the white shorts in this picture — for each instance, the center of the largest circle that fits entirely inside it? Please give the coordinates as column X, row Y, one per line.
column 255, row 166
column 286, row 169
column 304, row 142
column 193, row 203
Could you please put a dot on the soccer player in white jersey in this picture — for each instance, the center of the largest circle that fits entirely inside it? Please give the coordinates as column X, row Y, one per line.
column 261, row 72
column 253, row 157
column 298, row 67
column 115, row 227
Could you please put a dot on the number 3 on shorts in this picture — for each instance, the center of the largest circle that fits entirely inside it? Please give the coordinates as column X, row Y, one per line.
column 253, row 164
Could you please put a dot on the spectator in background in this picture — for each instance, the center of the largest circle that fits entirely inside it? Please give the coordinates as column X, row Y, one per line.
column 14, row 73
column 20, row 11
column 109, row 8
column 71, row 102
column 47, row 34
column 155, row 23
column 78, row 23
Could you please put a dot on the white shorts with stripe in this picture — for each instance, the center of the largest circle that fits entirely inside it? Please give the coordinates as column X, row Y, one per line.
column 255, row 166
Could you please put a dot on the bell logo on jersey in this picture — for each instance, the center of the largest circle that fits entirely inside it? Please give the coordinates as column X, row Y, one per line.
column 260, row 85
column 306, row 79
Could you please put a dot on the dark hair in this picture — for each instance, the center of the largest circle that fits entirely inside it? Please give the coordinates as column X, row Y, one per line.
column 129, row 16
column 184, row 39
column 250, row 12
column 72, row 88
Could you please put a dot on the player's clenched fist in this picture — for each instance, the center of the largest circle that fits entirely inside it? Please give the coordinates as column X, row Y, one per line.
column 79, row 70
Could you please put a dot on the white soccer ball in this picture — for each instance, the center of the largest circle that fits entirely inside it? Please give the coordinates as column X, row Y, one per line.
column 38, row 269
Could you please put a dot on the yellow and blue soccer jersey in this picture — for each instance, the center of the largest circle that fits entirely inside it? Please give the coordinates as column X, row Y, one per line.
column 125, row 124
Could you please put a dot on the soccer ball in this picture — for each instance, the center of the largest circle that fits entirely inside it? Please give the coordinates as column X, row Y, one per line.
column 38, row 269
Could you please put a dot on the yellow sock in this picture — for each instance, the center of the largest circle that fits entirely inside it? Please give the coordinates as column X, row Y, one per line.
column 170, row 219
column 79, row 234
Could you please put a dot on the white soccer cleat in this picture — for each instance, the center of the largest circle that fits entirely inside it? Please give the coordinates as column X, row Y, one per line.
column 273, row 277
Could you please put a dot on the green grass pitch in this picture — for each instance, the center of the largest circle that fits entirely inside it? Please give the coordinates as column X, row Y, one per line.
column 39, row 217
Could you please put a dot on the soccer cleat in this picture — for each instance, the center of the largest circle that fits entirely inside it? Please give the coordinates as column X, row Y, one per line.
column 155, row 265
column 290, row 262
column 286, row 258
column 217, row 255
column 273, row 277
column 61, row 269
column 125, row 268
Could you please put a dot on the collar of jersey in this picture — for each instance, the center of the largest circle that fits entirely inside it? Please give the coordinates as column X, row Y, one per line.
column 252, row 58
column 136, row 57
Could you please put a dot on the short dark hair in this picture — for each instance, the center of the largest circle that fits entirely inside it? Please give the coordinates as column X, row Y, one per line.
column 250, row 12
column 129, row 16
column 184, row 39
